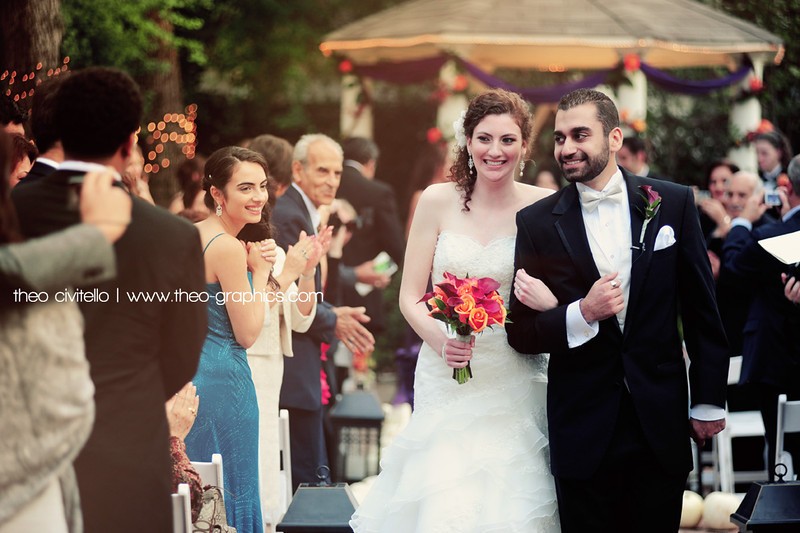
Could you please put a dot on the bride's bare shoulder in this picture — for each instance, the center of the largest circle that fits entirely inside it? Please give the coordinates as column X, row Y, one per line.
column 532, row 193
column 439, row 194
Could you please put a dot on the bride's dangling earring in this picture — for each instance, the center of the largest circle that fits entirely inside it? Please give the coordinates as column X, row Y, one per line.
column 470, row 164
column 218, row 211
column 521, row 167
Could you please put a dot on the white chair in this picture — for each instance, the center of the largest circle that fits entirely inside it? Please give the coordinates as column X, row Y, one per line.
column 738, row 424
column 182, row 510
column 286, row 461
column 211, row 473
column 788, row 422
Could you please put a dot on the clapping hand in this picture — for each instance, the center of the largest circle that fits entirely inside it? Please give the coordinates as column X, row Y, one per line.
column 351, row 332
column 261, row 255
column 533, row 293
column 182, row 410
column 304, row 255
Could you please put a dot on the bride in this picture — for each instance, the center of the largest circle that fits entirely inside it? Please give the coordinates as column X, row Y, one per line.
column 474, row 457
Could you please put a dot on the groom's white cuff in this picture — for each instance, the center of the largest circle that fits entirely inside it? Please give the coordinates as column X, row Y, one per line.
column 707, row 412
column 578, row 330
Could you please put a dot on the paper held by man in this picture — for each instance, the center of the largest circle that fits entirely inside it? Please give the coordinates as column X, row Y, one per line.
column 785, row 248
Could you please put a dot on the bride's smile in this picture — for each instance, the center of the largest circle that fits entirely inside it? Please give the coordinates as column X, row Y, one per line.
column 496, row 146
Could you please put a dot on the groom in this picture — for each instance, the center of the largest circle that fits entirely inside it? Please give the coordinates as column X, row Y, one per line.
column 624, row 275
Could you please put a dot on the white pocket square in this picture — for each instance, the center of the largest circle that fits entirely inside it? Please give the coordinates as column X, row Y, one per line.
column 665, row 238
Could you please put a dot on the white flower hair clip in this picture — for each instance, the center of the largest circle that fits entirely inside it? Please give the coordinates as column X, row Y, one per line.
column 458, row 128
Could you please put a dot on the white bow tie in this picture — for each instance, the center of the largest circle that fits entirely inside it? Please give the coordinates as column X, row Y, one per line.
column 591, row 198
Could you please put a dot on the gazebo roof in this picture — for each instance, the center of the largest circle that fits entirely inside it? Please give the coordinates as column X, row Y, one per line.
column 571, row 34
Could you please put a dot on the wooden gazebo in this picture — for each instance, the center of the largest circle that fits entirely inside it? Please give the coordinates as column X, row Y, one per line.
column 559, row 37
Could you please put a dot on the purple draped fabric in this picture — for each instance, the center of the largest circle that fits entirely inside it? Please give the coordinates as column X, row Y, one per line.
column 538, row 95
column 405, row 72
column 672, row 84
column 420, row 70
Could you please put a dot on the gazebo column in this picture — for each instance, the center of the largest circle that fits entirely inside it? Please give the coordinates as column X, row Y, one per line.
column 355, row 116
column 632, row 101
column 745, row 117
column 453, row 104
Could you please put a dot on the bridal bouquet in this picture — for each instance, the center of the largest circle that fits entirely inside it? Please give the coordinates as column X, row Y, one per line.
column 467, row 306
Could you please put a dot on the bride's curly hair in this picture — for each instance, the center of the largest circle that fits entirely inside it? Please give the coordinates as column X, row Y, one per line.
column 491, row 102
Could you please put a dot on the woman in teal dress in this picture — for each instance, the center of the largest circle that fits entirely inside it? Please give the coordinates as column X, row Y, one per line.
column 235, row 180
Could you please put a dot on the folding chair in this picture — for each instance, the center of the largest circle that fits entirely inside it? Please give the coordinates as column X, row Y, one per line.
column 738, row 424
column 788, row 422
column 182, row 510
column 211, row 473
column 286, row 461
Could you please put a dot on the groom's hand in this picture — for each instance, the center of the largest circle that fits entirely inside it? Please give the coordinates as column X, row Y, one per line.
column 604, row 299
column 702, row 430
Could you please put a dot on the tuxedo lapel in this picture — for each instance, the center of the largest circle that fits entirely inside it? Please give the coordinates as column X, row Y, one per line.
column 572, row 231
column 642, row 252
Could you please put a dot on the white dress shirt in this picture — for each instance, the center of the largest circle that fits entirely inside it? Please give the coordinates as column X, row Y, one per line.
column 312, row 209
column 608, row 231
column 609, row 234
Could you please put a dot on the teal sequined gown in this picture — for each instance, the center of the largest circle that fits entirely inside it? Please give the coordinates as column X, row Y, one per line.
column 227, row 420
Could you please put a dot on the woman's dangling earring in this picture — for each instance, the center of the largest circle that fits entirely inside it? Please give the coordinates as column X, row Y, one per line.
column 470, row 164
column 521, row 167
column 218, row 211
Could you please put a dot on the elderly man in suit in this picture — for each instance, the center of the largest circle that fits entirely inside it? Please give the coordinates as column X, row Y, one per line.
column 771, row 345
column 317, row 171
column 620, row 265
column 141, row 352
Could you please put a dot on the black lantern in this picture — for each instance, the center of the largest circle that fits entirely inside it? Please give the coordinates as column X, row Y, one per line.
column 770, row 507
column 356, row 418
column 319, row 508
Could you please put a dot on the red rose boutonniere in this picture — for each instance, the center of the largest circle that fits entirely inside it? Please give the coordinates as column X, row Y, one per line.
column 652, row 203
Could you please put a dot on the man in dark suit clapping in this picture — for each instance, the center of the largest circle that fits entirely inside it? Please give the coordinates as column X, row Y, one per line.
column 141, row 352
column 316, row 171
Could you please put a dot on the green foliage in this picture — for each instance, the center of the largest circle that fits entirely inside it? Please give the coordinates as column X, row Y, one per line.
column 686, row 133
column 127, row 34
column 396, row 328
column 267, row 51
column 781, row 97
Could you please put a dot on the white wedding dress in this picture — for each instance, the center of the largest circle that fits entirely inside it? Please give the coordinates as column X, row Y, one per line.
column 474, row 457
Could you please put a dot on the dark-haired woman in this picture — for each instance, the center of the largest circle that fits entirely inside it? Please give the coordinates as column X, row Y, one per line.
column 237, row 277
column 773, row 152
column 474, row 457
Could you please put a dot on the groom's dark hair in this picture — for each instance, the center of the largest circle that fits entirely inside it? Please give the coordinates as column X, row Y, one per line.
column 607, row 112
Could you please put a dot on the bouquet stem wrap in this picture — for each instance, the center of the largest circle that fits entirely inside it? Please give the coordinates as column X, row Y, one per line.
column 462, row 375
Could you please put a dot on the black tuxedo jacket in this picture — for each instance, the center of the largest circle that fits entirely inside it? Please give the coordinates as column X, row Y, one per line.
column 140, row 354
column 586, row 383
column 37, row 172
column 771, row 344
column 301, row 386
column 380, row 230
column 734, row 297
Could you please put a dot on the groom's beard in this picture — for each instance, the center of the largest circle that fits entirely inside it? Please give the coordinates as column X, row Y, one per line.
column 594, row 166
